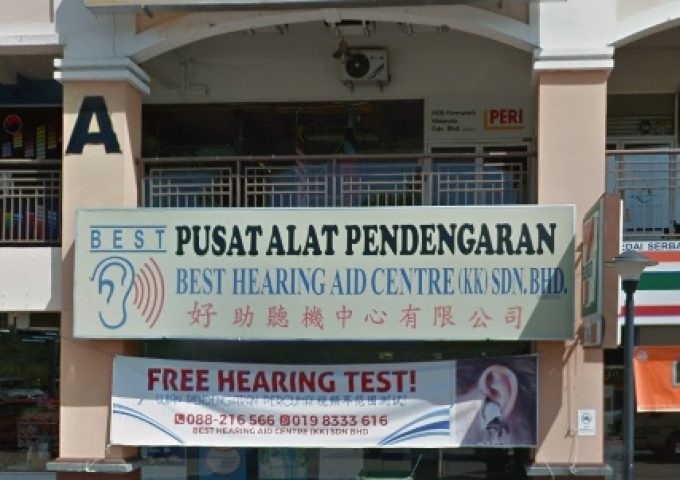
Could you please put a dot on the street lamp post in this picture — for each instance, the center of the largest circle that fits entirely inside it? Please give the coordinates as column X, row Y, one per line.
column 629, row 265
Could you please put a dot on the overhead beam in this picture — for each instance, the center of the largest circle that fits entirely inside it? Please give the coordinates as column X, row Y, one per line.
column 147, row 6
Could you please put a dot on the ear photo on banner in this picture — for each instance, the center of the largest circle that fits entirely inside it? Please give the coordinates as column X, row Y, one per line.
column 495, row 402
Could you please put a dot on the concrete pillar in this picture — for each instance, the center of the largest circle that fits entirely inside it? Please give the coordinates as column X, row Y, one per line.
column 571, row 170
column 102, row 137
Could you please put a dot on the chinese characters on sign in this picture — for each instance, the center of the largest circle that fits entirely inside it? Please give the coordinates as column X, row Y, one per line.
column 313, row 317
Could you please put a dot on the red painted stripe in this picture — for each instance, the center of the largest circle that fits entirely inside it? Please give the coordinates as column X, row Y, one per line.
column 663, row 256
column 654, row 310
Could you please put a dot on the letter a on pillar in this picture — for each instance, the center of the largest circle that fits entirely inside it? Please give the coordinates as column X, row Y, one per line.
column 81, row 135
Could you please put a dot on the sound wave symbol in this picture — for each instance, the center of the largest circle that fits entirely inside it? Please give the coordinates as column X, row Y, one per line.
column 149, row 286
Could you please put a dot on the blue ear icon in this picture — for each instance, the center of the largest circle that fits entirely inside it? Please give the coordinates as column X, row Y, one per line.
column 113, row 278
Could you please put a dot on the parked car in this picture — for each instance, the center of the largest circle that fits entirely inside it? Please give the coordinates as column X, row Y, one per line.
column 658, row 432
column 10, row 383
column 24, row 392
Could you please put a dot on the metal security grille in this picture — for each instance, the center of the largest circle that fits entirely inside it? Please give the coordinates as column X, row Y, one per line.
column 338, row 181
column 189, row 187
column 381, row 183
column 496, row 183
column 30, row 202
column 287, row 184
column 647, row 180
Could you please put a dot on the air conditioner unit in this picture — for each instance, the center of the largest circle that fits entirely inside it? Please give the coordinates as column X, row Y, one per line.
column 366, row 65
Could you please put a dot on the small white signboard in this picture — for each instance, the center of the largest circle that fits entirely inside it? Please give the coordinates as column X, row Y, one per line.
column 587, row 422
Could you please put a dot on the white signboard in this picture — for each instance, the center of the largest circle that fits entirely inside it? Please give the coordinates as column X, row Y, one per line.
column 653, row 246
column 451, row 119
column 587, row 422
column 359, row 274
column 436, row 404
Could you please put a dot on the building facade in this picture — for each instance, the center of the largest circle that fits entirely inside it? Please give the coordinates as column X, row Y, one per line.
column 395, row 107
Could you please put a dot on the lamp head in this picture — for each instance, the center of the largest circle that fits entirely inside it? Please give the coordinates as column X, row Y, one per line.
column 630, row 265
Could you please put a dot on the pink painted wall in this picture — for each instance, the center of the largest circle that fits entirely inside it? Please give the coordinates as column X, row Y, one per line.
column 571, row 170
column 93, row 179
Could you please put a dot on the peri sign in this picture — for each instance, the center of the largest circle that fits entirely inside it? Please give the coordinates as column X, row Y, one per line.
column 429, row 273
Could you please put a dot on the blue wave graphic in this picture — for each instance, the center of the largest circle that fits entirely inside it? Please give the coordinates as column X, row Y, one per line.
column 437, row 433
column 434, row 428
column 405, row 429
column 131, row 412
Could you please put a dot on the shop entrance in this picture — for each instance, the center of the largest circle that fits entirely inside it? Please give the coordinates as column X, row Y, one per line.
column 325, row 154
column 332, row 464
column 174, row 463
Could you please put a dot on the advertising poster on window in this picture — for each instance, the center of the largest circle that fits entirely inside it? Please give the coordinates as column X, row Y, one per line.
column 222, row 463
column 483, row 402
column 341, row 463
column 427, row 273
column 657, row 378
column 282, row 463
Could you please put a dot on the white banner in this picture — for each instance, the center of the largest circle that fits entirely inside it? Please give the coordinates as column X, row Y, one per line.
column 450, row 273
column 476, row 402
